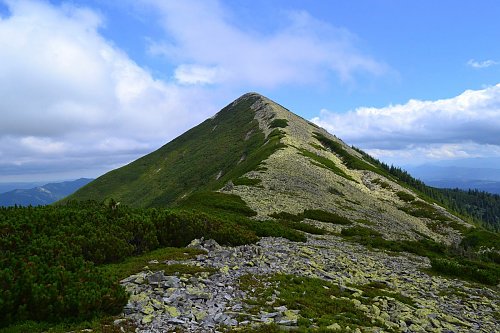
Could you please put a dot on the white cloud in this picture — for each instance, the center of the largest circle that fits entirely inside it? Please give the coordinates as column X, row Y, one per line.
column 464, row 126
column 194, row 74
column 67, row 94
column 304, row 50
column 482, row 64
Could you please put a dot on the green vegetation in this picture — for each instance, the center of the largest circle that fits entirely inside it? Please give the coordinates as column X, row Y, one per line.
column 97, row 325
column 464, row 261
column 381, row 183
column 405, row 196
column 45, row 277
column 287, row 216
column 247, row 181
column 473, row 270
column 351, row 161
column 324, row 216
column 313, row 214
column 202, row 159
column 325, row 163
column 319, row 303
column 378, row 289
column 423, row 209
column 333, row 190
column 279, row 123
column 316, row 146
column 216, row 203
column 481, row 207
column 133, row 265
column 305, row 227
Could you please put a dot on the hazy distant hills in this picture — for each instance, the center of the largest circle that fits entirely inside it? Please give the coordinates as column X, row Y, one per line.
column 486, row 178
column 42, row 195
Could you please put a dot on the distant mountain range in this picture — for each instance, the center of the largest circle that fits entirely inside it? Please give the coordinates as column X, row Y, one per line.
column 464, row 177
column 42, row 195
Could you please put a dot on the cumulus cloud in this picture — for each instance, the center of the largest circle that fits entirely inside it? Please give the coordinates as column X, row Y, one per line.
column 68, row 93
column 464, row 126
column 193, row 74
column 482, row 64
column 304, row 50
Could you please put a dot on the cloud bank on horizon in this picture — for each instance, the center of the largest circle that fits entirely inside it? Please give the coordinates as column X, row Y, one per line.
column 74, row 103
column 465, row 126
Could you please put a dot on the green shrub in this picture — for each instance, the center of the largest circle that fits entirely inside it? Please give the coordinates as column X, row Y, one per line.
column 217, row 203
column 305, row 227
column 360, row 232
column 404, row 196
column 279, row 123
column 467, row 269
column 324, row 216
column 424, row 210
column 179, row 228
column 349, row 160
column 287, row 216
column 247, row 181
column 320, row 303
column 313, row 214
column 333, row 190
column 325, row 163
column 381, row 183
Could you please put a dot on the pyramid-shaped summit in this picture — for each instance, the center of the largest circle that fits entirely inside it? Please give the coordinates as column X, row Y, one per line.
column 278, row 163
column 331, row 239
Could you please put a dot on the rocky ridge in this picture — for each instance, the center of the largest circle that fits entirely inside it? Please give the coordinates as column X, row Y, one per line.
column 214, row 301
column 291, row 182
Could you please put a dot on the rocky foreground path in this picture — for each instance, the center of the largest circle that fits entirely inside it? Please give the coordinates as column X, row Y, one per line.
column 212, row 300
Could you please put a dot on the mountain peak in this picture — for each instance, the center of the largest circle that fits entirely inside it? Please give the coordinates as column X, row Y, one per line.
column 276, row 162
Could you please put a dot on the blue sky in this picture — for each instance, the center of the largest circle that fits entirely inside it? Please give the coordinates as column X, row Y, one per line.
column 87, row 86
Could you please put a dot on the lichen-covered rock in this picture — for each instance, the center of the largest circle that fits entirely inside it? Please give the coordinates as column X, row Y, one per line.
column 211, row 300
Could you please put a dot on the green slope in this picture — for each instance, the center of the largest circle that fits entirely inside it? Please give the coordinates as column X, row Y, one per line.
column 204, row 158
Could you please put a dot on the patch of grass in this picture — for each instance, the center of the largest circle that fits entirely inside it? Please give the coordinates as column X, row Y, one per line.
column 313, row 214
column 325, row 163
column 287, row 216
column 318, row 302
column 247, row 181
column 373, row 239
column 179, row 269
column 404, row 196
column 98, row 325
column 333, row 190
column 264, row 328
column 381, row 183
column 365, row 221
column 444, row 260
column 305, row 227
column 324, row 216
column 359, row 231
column 424, row 210
column 217, row 203
column 273, row 229
column 135, row 264
column 278, row 123
column 472, row 270
column 316, row 146
column 374, row 289
column 351, row 161
column 477, row 238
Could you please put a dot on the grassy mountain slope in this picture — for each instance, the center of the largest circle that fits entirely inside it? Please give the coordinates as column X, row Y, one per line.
column 327, row 211
column 276, row 162
column 204, row 158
